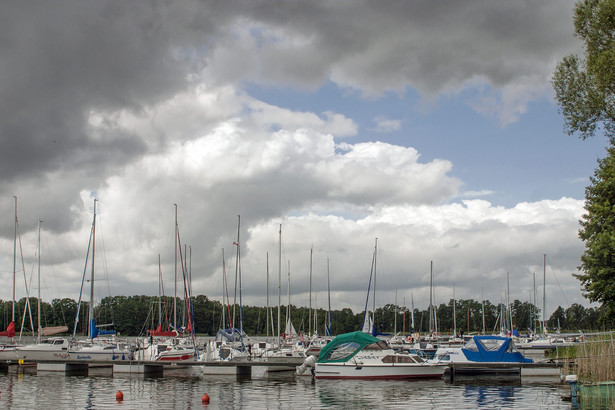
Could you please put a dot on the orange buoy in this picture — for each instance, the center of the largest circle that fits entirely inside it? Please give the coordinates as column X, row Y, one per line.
column 119, row 396
column 205, row 399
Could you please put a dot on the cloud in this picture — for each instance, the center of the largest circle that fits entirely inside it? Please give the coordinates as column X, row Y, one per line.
column 143, row 106
column 384, row 124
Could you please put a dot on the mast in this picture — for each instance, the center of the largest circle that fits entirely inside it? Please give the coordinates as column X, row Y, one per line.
column 288, row 319
column 431, row 300
column 510, row 312
column 544, row 286
column 535, row 302
column 310, row 302
column 159, row 293
column 395, row 325
column 92, row 275
column 279, row 283
column 412, row 315
column 175, row 293
column 454, row 312
column 236, row 271
column 328, row 333
column 14, row 260
column 374, row 291
column 483, row 303
column 39, row 283
column 268, row 312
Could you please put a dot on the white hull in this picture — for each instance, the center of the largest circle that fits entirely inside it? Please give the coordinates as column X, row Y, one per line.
column 59, row 350
column 34, row 355
column 8, row 353
column 350, row 370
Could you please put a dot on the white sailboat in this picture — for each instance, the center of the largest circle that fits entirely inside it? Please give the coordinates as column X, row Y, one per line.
column 171, row 346
column 94, row 348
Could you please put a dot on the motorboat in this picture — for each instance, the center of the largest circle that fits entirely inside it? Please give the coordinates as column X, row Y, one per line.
column 489, row 350
column 359, row 355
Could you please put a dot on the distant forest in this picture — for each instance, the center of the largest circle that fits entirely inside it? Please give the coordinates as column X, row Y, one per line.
column 133, row 315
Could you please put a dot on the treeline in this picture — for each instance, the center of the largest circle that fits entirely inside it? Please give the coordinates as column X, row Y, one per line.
column 134, row 315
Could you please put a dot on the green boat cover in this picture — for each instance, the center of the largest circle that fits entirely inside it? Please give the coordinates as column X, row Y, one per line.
column 345, row 346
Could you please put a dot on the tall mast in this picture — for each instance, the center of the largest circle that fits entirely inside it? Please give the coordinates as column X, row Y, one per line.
column 40, row 328
column 236, row 271
column 544, row 286
column 268, row 312
column 395, row 325
column 508, row 309
column 329, row 298
column 279, row 282
column 92, row 276
column 310, row 302
column 412, row 315
column 454, row 312
column 175, row 291
column 431, row 300
column 223, row 290
column 159, row 293
column 374, row 292
column 535, row 302
column 483, row 303
column 14, row 260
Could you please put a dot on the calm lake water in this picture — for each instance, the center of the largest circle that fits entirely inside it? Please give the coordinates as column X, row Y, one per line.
column 180, row 389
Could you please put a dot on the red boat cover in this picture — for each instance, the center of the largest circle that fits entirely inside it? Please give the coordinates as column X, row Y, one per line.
column 10, row 330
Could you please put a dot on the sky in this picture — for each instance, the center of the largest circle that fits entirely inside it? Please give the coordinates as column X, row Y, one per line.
column 429, row 126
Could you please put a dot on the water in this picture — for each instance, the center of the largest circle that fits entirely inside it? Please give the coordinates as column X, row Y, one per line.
column 181, row 390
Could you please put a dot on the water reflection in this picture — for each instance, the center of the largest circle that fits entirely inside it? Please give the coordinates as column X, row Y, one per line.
column 183, row 389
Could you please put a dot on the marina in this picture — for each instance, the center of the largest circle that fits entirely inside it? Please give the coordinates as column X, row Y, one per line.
column 180, row 388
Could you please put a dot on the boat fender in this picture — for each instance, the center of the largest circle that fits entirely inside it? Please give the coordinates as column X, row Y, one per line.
column 309, row 361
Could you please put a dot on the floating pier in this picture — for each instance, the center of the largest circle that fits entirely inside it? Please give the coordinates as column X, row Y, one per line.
column 505, row 369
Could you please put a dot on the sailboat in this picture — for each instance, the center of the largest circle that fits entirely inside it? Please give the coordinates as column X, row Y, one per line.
column 368, row 318
column 7, row 350
column 290, row 347
column 172, row 346
column 229, row 342
column 93, row 348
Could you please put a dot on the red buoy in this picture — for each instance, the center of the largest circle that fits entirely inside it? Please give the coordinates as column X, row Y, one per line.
column 119, row 396
column 205, row 399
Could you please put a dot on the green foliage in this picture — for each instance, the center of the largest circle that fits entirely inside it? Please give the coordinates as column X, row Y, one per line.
column 598, row 232
column 585, row 89
column 134, row 315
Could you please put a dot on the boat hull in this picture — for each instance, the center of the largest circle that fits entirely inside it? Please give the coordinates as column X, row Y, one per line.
column 398, row 371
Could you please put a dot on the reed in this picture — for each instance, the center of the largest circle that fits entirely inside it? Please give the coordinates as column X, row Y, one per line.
column 595, row 359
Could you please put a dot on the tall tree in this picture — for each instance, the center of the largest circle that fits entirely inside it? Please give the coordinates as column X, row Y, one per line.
column 598, row 232
column 585, row 88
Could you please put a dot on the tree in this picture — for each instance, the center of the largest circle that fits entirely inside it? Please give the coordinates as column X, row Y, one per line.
column 585, row 88
column 598, row 233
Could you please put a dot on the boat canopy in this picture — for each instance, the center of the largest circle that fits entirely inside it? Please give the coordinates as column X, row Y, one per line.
column 230, row 335
column 493, row 349
column 345, row 346
column 95, row 332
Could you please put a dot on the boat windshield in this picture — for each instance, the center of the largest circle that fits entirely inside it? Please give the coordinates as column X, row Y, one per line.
column 381, row 345
column 342, row 351
column 490, row 345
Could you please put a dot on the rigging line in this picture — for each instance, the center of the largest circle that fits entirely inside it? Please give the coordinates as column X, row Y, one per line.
column 104, row 257
column 558, row 284
column 27, row 305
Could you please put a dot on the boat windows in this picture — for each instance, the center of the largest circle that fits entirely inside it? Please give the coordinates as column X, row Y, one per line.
column 397, row 358
column 471, row 346
column 492, row 345
column 342, row 351
column 381, row 345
